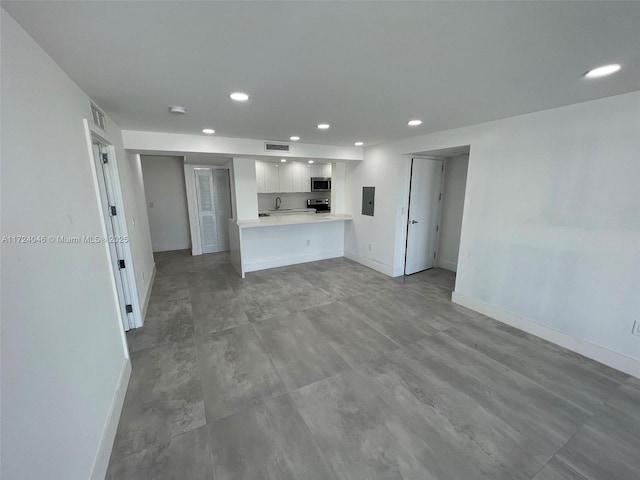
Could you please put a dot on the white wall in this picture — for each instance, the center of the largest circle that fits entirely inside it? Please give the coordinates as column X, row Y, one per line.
column 550, row 228
column 455, row 179
column 63, row 356
column 232, row 147
column 244, row 189
column 166, row 197
column 380, row 169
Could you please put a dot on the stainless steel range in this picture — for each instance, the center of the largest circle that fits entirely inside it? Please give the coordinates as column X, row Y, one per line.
column 320, row 204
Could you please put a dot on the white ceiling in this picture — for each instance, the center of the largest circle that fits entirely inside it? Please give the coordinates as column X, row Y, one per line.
column 366, row 68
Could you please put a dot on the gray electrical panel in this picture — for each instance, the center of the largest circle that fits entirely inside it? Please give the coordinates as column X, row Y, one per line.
column 368, row 200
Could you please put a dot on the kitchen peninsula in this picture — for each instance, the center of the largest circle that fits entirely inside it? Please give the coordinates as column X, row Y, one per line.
column 277, row 241
column 290, row 234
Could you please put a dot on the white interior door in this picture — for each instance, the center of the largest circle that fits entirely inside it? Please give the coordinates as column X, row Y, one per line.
column 424, row 208
column 222, row 202
column 116, row 237
column 214, row 208
column 206, row 210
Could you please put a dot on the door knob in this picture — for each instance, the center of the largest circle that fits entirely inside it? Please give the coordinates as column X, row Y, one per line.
column 413, row 221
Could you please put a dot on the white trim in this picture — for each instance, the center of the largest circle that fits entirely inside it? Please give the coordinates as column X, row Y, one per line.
column 447, row 265
column 91, row 132
column 439, row 214
column 101, row 461
column 367, row 262
column 96, row 189
column 283, row 262
column 194, row 225
column 600, row 354
column 147, row 297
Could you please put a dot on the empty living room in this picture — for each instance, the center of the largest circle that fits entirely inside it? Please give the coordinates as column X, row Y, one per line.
column 319, row 240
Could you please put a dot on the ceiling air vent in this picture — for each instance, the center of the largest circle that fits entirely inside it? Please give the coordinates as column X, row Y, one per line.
column 98, row 117
column 276, row 147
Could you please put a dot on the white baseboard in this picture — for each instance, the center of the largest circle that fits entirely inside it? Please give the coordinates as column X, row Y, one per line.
column 170, row 248
column 398, row 272
column 101, row 462
column 367, row 262
column 283, row 262
column 147, row 297
column 600, row 354
column 447, row 265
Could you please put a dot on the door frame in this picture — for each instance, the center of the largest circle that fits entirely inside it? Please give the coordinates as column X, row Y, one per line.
column 192, row 201
column 439, row 214
column 213, row 203
column 93, row 134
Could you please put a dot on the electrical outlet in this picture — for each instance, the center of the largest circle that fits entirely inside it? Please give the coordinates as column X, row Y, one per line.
column 636, row 328
column 308, row 242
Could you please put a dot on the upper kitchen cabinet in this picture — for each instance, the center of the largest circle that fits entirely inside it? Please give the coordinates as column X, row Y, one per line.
column 321, row 171
column 301, row 177
column 271, row 178
column 285, row 175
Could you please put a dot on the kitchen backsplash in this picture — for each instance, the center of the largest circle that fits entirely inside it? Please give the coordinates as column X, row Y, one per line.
column 267, row 201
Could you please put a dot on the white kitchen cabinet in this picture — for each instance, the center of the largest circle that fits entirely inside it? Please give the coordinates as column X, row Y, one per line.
column 323, row 171
column 260, row 176
column 285, row 175
column 301, row 177
column 290, row 177
column 271, row 178
column 316, row 170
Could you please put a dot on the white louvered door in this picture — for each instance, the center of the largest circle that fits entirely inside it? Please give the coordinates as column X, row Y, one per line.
column 206, row 210
column 214, row 208
column 222, row 202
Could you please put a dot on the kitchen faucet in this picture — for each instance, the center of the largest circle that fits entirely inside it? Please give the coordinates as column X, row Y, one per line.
column 278, row 202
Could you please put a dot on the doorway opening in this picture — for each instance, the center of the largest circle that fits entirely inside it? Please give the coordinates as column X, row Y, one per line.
column 437, row 183
column 189, row 201
column 213, row 192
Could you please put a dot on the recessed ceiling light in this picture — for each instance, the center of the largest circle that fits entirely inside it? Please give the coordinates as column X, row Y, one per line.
column 208, row 131
column 294, row 138
column 359, row 144
column 283, row 160
column 239, row 96
column 323, row 126
column 178, row 110
column 602, row 71
column 310, row 161
column 414, row 123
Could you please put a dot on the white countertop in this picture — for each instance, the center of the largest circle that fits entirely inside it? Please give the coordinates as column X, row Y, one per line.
column 289, row 211
column 293, row 220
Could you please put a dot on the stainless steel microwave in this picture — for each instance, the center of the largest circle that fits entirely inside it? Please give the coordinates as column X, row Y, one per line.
column 320, row 184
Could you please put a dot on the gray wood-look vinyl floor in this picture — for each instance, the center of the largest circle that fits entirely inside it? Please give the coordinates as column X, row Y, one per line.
column 330, row 370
